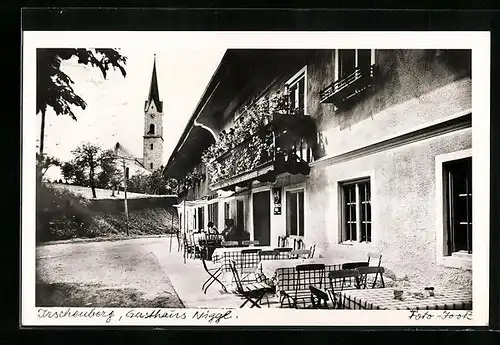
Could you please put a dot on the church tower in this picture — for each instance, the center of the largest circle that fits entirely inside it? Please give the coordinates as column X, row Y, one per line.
column 153, row 126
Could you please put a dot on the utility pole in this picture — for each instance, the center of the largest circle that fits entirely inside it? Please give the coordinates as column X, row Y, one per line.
column 125, row 191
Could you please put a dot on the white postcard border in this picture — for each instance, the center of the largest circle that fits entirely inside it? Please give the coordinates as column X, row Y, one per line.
column 479, row 42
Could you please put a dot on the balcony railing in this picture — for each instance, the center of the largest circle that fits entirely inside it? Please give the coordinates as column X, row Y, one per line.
column 282, row 145
column 348, row 87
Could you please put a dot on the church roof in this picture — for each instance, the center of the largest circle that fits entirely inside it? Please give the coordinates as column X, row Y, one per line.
column 121, row 151
column 154, row 94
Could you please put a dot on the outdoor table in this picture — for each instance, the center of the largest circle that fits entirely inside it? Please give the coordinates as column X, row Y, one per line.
column 223, row 255
column 282, row 273
column 445, row 298
column 219, row 253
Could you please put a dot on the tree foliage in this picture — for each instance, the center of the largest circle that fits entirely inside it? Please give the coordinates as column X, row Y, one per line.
column 109, row 175
column 154, row 183
column 87, row 157
column 54, row 87
column 44, row 162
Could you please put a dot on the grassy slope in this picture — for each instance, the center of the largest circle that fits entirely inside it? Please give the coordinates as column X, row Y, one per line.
column 148, row 221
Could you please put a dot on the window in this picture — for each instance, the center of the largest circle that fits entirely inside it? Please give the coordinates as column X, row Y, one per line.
column 458, row 206
column 213, row 213
column 201, row 218
column 127, row 170
column 151, row 165
column 356, row 211
column 226, row 211
column 350, row 59
column 151, row 129
column 295, row 213
column 296, row 88
column 151, row 146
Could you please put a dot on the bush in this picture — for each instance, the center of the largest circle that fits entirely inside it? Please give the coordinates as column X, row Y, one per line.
column 61, row 214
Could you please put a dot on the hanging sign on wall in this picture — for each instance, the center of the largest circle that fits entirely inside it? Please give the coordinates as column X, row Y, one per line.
column 277, row 200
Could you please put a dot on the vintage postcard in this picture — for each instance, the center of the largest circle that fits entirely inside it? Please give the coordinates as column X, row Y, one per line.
column 255, row 178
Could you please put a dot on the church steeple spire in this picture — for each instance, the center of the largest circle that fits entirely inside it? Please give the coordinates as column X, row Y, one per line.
column 154, row 94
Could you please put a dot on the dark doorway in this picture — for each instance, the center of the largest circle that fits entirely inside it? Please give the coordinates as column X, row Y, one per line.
column 262, row 217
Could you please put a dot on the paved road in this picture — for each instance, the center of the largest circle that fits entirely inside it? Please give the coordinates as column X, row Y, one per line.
column 110, row 273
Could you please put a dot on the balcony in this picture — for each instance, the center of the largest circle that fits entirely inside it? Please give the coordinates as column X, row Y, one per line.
column 349, row 87
column 281, row 145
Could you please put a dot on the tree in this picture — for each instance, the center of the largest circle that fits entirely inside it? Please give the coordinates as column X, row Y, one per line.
column 110, row 175
column 53, row 86
column 44, row 162
column 74, row 173
column 87, row 157
column 107, row 165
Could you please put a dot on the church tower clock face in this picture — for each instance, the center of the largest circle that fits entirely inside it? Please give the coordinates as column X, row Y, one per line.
column 153, row 127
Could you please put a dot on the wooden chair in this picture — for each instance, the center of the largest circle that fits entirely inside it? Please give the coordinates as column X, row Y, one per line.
column 369, row 270
column 352, row 266
column 308, row 274
column 296, row 283
column 319, row 298
column 312, row 250
column 249, row 262
column 282, row 241
column 342, row 275
column 214, row 274
column 250, row 243
column 228, row 244
column 188, row 246
column 298, row 243
column 374, row 259
column 252, row 292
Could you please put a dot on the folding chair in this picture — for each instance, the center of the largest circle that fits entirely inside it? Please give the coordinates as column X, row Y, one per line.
column 282, row 241
column 283, row 253
column 227, row 244
column 319, row 298
column 298, row 244
column 308, row 274
column 312, row 249
column 374, row 259
column 300, row 253
column 365, row 271
column 253, row 292
column 188, row 246
column 214, row 274
column 249, row 262
column 250, row 243
column 334, row 277
column 352, row 266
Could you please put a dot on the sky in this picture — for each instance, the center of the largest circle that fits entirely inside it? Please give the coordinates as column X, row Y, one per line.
column 115, row 105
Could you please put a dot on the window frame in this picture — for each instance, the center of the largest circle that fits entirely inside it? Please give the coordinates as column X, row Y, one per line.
column 356, row 60
column 342, row 203
column 213, row 213
column 463, row 261
column 292, row 189
column 302, row 73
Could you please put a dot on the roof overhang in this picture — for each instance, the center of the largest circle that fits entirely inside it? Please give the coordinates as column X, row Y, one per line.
column 239, row 74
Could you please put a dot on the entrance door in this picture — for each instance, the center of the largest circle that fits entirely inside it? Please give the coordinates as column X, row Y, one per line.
column 262, row 217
